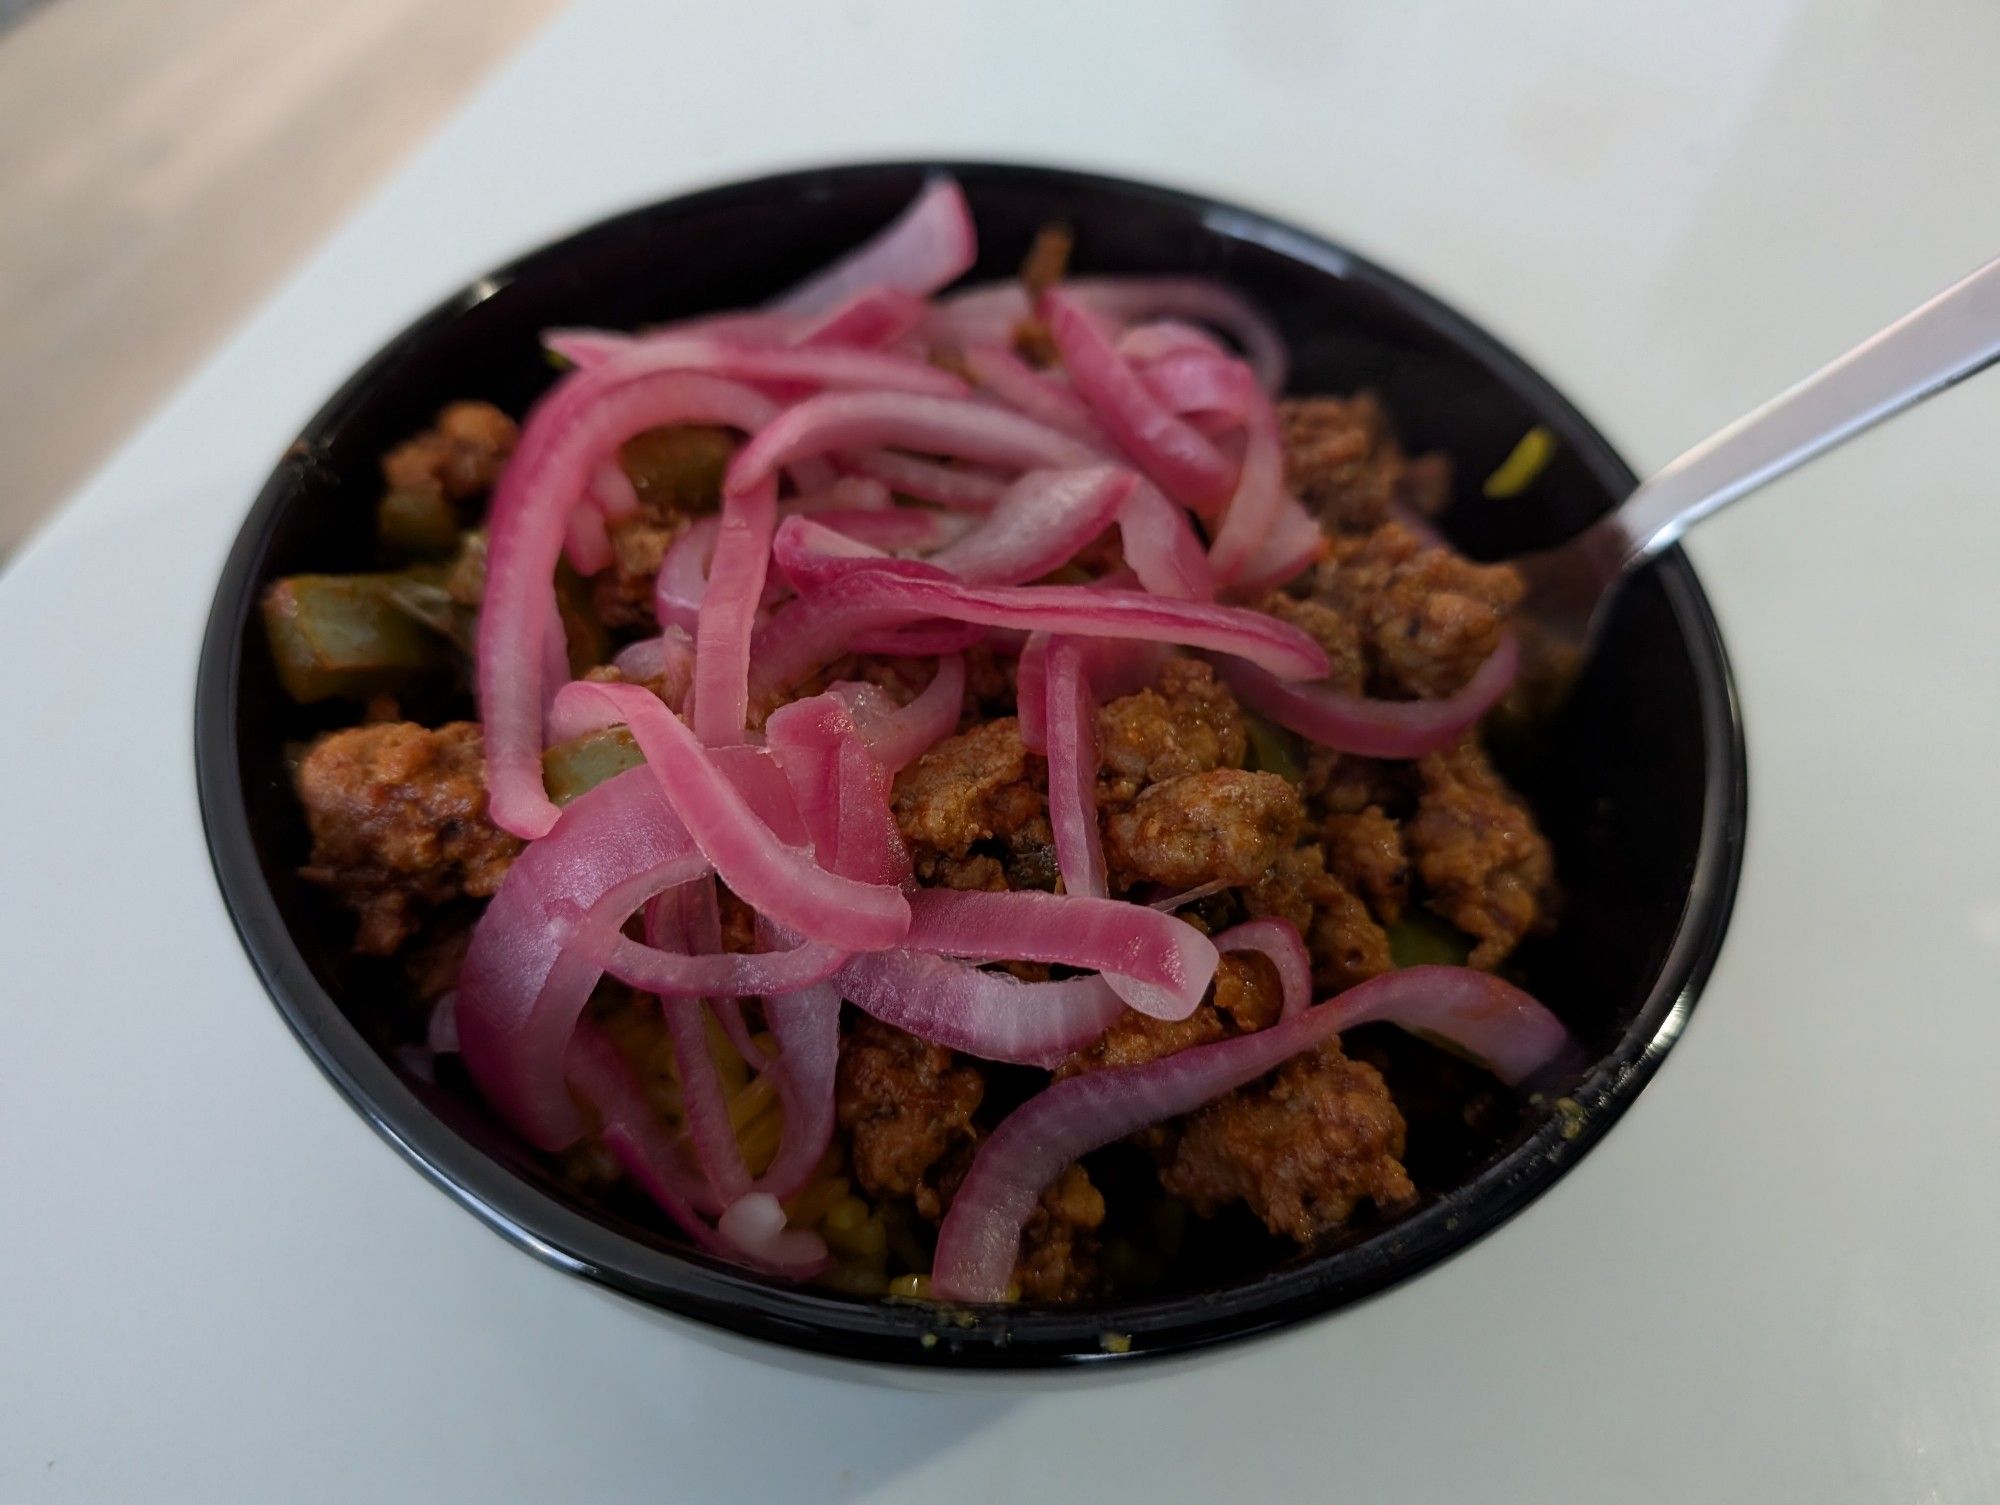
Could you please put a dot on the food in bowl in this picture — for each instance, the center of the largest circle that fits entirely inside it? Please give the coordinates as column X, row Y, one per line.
column 932, row 751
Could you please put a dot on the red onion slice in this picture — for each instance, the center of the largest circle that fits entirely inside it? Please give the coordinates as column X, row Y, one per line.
column 987, row 1014
column 813, row 365
column 957, row 427
column 1171, row 961
column 704, row 1104
column 1161, row 547
column 776, row 879
column 818, row 627
column 586, row 543
column 899, row 736
column 1133, row 300
column 1187, row 466
column 1070, row 719
column 1040, row 523
column 1375, row 728
column 564, row 438
column 980, row 1238
column 1036, row 394
column 529, row 971
column 930, row 244
column 925, row 480
column 1280, row 941
column 633, row 1133
column 872, row 320
column 728, row 612
column 1293, row 545
column 807, row 1026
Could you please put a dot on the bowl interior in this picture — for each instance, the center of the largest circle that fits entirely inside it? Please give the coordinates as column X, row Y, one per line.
column 1639, row 785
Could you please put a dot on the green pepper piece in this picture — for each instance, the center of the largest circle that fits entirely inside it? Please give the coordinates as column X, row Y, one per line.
column 1274, row 750
column 1421, row 939
column 415, row 524
column 579, row 765
column 678, row 469
column 347, row 635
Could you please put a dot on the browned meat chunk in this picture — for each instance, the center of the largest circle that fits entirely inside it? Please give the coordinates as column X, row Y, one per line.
column 1187, row 723
column 1485, row 866
column 905, row 1104
column 1332, row 630
column 622, row 594
column 1365, row 851
column 1059, row 1244
column 1247, row 990
column 967, row 788
column 1342, row 784
column 459, row 457
column 1345, row 464
column 1346, row 944
column 1301, row 1149
column 399, row 825
column 1223, row 826
column 1135, row 1038
column 1428, row 616
column 1245, row 996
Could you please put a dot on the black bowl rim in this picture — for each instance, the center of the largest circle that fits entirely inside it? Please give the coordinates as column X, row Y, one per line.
column 668, row 1277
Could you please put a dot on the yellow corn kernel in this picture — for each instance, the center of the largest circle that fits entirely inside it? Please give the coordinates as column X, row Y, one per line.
column 810, row 1205
column 846, row 1215
column 1517, row 472
column 911, row 1287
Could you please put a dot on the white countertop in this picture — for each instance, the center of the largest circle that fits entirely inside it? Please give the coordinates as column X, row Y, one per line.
column 1775, row 1280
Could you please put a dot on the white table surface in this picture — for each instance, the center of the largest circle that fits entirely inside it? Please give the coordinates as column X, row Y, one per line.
column 1776, row 1280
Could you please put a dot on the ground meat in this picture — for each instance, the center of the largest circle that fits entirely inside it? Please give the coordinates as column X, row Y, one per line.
column 1135, row 1038
column 622, row 594
column 461, row 456
column 1247, row 991
column 1484, row 865
column 1059, row 1244
column 905, row 1104
column 1333, row 630
column 1225, row 826
column 967, row 788
column 1340, row 783
column 1245, row 996
column 1365, row 851
column 399, row 825
column 1345, row 464
column 1346, row 943
column 1428, row 616
column 1187, row 723
column 1301, row 1149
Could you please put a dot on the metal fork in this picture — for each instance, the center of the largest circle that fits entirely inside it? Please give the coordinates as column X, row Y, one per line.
column 1571, row 586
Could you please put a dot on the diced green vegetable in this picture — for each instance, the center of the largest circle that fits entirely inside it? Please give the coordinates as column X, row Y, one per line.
column 416, row 524
column 679, row 469
column 579, row 765
column 1421, row 939
column 347, row 635
column 1274, row 750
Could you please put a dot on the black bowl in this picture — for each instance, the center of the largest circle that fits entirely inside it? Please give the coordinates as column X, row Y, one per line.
column 1641, row 785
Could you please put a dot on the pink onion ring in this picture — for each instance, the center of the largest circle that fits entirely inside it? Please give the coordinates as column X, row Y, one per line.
column 1278, row 940
column 565, row 436
column 770, row 876
column 1187, row 467
column 929, row 245
column 988, row 1014
column 1172, row 962
column 980, row 1238
column 1375, row 728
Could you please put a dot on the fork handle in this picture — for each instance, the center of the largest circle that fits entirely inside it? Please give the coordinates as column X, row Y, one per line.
column 1953, row 336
